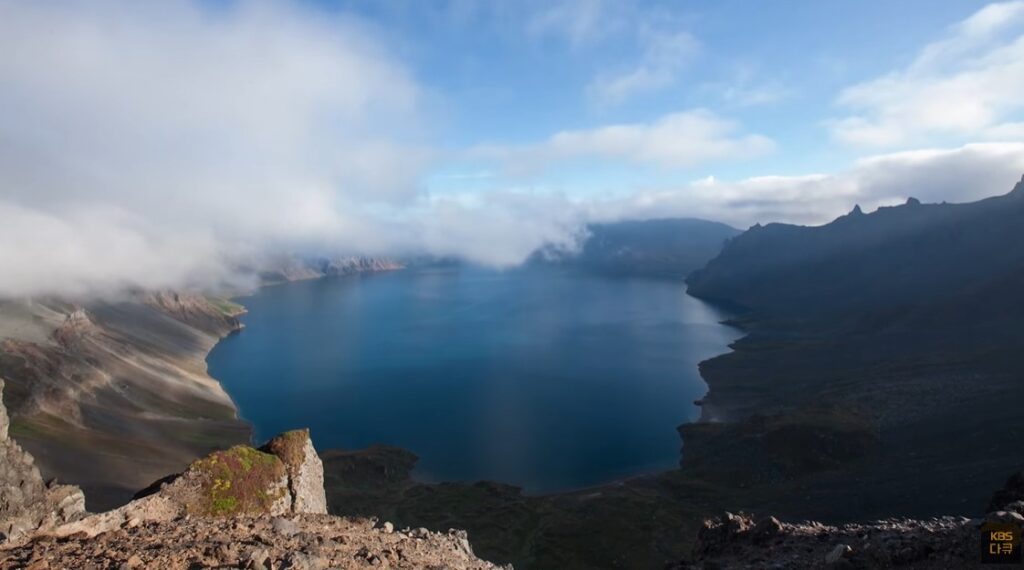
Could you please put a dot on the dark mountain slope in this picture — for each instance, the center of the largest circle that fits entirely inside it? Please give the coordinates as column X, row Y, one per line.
column 882, row 373
column 655, row 248
column 890, row 263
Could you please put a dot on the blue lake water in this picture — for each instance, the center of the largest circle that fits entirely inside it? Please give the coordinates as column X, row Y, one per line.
column 546, row 379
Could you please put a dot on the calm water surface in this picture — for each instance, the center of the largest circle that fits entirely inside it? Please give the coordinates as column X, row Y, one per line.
column 546, row 379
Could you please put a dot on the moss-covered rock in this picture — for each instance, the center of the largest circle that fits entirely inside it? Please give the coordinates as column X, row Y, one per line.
column 305, row 470
column 240, row 480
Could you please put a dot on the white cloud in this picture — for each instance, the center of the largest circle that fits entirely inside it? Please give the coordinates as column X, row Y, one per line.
column 142, row 143
column 153, row 144
column 963, row 174
column 967, row 84
column 745, row 86
column 498, row 228
column 679, row 139
column 664, row 55
column 579, row 22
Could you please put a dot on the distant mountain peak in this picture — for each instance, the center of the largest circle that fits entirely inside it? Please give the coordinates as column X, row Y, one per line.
column 1018, row 190
column 913, row 201
column 898, row 259
column 857, row 211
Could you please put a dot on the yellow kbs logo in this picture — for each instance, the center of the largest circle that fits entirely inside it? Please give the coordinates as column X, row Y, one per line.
column 1000, row 543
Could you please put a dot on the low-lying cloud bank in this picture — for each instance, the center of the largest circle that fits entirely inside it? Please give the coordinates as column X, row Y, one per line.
column 147, row 145
column 963, row 174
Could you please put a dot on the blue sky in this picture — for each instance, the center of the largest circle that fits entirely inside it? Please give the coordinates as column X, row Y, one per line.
column 515, row 73
column 151, row 144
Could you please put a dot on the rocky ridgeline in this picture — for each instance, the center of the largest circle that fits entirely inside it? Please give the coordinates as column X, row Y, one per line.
column 299, row 269
column 735, row 541
column 243, row 507
column 26, row 501
column 197, row 311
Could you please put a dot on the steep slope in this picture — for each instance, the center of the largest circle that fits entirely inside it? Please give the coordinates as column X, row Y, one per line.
column 882, row 373
column 112, row 395
column 889, row 263
column 657, row 248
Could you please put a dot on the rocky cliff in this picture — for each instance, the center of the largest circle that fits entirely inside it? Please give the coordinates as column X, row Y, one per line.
column 239, row 508
column 26, row 502
column 292, row 268
column 110, row 395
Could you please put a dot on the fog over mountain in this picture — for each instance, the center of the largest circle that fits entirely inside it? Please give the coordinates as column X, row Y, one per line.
column 153, row 146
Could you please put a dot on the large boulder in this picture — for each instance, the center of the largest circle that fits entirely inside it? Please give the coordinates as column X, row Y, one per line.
column 240, row 480
column 283, row 477
column 304, row 468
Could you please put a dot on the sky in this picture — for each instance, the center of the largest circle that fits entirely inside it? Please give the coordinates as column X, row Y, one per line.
column 163, row 144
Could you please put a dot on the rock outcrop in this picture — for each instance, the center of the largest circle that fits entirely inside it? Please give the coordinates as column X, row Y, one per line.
column 735, row 541
column 239, row 508
column 292, row 268
column 284, row 477
column 198, row 311
column 26, row 502
column 304, row 468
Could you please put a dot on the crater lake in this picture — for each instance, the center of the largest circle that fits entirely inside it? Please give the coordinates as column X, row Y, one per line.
column 543, row 378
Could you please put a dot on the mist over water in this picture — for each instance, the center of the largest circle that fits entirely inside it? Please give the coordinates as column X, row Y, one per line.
column 541, row 378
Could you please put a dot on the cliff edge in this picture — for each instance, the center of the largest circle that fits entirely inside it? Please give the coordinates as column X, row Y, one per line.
column 237, row 508
column 26, row 502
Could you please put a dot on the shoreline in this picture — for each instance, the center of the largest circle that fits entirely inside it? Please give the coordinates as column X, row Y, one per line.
column 620, row 481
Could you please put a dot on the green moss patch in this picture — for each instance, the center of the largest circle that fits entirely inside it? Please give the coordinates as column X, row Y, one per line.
column 290, row 447
column 241, row 480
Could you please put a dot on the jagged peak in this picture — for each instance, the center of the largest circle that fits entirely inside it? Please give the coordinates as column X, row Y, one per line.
column 857, row 211
column 1018, row 189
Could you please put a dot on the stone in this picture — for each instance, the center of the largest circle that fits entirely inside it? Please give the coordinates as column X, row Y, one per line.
column 237, row 481
column 284, row 526
column 1005, row 517
column 304, row 468
column 1014, row 507
column 767, row 528
column 389, row 528
column 837, row 553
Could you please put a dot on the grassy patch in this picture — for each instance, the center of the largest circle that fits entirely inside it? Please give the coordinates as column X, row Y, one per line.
column 226, row 306
column 289, row 446
column 239, row 480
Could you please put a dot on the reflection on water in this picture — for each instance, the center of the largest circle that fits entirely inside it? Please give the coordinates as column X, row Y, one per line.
column 545, row 379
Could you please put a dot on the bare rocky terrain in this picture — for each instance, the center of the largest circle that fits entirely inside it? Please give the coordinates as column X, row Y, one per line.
column 237, row 508
column 112, row 394
column 313, row 542
column 741, row 541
